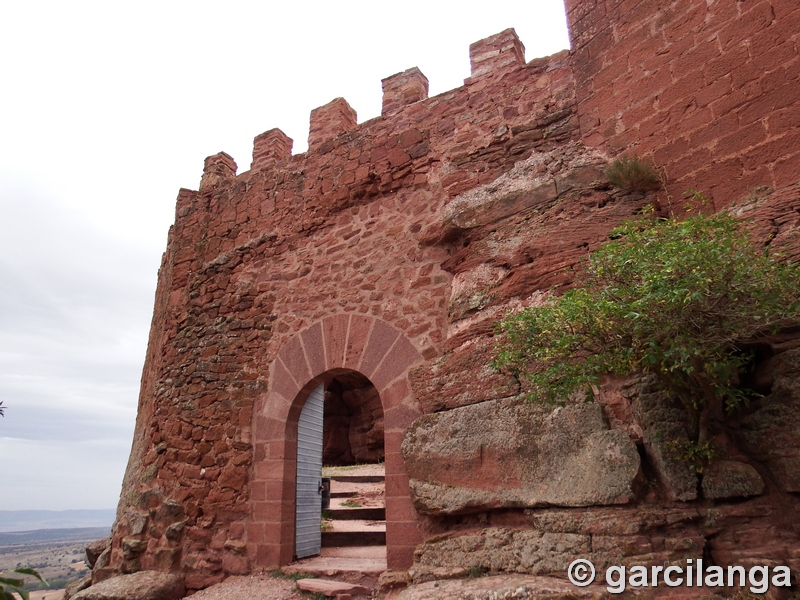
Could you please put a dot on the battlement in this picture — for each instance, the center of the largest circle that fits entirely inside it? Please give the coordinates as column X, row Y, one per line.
column 492, row 57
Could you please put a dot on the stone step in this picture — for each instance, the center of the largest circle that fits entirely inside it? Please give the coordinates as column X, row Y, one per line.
column 330, row 588
column 358, row 478
column 354, row 564
column 343, row 494
column 356, row 514
column 353, row 538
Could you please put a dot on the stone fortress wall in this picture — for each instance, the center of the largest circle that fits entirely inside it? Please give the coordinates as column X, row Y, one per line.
column 390, row 248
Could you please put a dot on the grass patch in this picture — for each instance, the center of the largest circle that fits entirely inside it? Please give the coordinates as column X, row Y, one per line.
column 294, row 576
column 327, row 471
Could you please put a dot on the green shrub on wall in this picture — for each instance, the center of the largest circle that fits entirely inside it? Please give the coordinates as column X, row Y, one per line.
column 675, row 299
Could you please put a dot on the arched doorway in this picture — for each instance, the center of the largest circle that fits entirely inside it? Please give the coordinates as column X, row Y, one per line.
column 333, row 347
column 339, row 436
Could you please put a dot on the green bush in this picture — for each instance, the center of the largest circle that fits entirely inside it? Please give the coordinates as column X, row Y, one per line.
column 676, row 299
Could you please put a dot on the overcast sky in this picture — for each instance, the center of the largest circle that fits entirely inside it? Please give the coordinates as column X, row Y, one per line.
column 107, row 108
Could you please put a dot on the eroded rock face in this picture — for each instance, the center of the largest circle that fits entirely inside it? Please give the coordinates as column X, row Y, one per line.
column 511, row 453
column 553, row 538
column 353, row 422
column 461, row 378
column 771, row 434
column 548, row 540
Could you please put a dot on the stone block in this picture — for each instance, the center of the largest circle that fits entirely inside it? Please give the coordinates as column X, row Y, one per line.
column 731, row 479
column 330, row 588
column 510, row 453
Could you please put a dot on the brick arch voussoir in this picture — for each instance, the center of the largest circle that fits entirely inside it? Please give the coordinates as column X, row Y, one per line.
column 365, row 344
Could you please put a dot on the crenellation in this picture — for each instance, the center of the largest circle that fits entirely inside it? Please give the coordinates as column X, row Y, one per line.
column 402, row 89
column 496, row 54
column 217, row 170
column 270, row 147
column 327, row 122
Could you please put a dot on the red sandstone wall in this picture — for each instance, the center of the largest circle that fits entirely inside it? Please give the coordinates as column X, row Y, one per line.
column 708, row 88
column 353, row 226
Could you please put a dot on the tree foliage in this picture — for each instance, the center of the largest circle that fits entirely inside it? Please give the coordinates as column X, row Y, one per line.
column 13, row 585
column 675, row 299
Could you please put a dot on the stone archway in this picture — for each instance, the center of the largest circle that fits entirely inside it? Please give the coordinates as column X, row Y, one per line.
column 334, row 345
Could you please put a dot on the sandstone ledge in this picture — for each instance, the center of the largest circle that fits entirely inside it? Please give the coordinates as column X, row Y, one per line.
column 514, row 454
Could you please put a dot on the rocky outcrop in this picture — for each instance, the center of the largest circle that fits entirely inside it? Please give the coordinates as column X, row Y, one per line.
column 770, row 434
column 392, row 247
column 552, row 539
column 144, row 585
column 77, row 586
column 512, row 453
column 548, row 540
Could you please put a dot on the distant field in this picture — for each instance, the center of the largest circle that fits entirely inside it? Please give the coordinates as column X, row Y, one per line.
column 57, row 554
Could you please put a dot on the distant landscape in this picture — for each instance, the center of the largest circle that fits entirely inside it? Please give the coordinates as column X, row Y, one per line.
column 52, row 542
column 29, row 520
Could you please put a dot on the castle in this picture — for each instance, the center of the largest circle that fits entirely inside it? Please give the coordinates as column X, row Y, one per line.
column 377, row 262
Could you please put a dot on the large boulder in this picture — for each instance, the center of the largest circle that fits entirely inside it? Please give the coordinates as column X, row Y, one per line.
column 95, row 549
column 144, row 585
column 512, row 453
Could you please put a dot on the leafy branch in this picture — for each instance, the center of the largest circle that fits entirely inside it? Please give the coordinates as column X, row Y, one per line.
column 12, row 585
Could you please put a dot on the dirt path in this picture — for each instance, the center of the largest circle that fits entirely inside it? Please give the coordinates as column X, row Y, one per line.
column 261, row 587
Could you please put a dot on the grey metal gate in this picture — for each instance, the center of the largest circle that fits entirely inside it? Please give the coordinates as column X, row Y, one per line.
column 308, row 537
